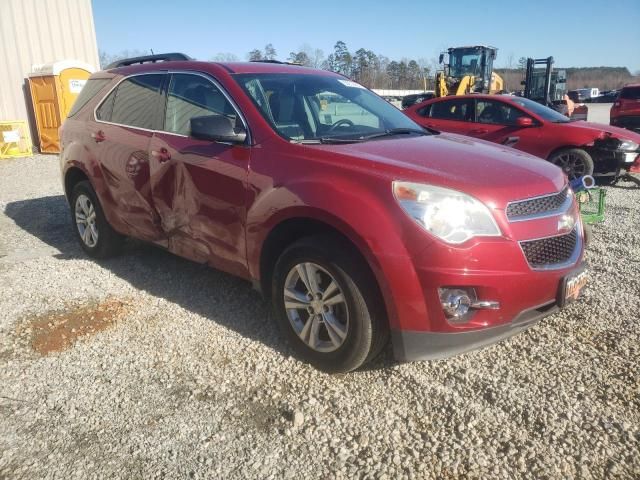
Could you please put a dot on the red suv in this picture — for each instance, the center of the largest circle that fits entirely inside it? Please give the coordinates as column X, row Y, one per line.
column 625, row 112
column 357, row 223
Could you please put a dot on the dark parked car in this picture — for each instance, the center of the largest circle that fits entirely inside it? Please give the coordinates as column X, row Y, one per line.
column 625, row 112
column 606, row 97
column 354, row 221
column 414, row 98
column 579, row 148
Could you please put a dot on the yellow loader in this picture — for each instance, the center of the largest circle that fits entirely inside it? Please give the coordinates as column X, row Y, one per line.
column 468, row 70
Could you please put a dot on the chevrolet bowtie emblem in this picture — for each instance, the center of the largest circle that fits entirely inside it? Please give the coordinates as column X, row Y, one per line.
column 566, row 223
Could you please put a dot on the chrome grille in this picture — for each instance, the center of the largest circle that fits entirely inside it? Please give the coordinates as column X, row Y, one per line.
column 551, row 251
column 547, row 204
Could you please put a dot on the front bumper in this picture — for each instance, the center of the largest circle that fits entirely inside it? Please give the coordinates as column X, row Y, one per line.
column 409, row 346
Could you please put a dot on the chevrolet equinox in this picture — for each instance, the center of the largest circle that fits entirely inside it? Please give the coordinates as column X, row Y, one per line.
column 357, row 223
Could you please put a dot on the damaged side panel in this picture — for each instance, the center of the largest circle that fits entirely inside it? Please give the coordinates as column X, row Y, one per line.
column 199, row 193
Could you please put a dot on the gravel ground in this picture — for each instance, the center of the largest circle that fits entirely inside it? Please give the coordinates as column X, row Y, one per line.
column 149, row 366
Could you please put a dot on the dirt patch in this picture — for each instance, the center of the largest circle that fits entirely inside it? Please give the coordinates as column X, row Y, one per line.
column 59, row 330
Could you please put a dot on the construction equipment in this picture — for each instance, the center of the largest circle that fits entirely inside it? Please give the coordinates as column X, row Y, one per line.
column 468, row 70
column 545, row 85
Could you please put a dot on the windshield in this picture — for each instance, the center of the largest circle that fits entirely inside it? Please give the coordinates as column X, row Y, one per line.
column 464, row 61
column 304, row 107
column 545, row 113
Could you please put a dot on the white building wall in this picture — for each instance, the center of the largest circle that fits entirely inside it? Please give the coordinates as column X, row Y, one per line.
column 40, row 31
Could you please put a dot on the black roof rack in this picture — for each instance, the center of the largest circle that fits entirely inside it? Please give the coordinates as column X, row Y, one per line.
column 277, row 61
column 161, row 57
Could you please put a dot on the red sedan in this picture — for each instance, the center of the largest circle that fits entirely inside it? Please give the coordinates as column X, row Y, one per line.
column 579, row 148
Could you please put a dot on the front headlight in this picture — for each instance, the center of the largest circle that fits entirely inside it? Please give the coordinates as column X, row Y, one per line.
column 628, row 146
column 452, row 216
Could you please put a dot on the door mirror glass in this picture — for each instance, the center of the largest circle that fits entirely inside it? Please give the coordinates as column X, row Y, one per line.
column 217, row 128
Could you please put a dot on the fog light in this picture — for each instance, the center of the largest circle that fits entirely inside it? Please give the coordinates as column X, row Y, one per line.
column 456, row 302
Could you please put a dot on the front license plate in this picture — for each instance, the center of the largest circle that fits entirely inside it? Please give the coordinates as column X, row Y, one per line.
column 572, row 285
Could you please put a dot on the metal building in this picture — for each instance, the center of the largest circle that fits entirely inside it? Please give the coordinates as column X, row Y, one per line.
column 35, row 32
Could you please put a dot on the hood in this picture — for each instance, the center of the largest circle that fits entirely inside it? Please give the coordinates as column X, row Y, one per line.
column 489, row 172
column 593, row 130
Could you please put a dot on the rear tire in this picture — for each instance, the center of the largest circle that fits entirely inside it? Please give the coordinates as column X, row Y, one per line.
column 574, row 162
column 334, row 318
column 97, row 238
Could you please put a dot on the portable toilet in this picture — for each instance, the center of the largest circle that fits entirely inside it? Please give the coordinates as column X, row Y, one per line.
column 54, row 87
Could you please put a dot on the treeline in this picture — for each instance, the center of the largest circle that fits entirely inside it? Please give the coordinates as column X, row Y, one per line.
column 364, row 66
column 604, row 78
column 378, row 71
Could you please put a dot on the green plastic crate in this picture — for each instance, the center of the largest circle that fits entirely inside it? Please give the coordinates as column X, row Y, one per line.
column 592, row 204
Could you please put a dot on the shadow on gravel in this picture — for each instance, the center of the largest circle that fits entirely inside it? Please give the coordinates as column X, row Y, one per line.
column 222, row 298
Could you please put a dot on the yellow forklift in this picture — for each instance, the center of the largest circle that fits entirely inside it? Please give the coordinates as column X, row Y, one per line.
column 468, row 70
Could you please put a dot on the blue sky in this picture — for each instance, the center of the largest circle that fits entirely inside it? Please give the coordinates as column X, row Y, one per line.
column 576, row 33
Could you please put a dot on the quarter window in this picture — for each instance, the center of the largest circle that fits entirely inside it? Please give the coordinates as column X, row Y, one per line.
column 193, row 96
column 135, row 102
column 90, row 89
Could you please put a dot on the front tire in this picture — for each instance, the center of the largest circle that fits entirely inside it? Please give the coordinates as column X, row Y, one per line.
column 327, row 304
column 574, row 162
column 97, row 238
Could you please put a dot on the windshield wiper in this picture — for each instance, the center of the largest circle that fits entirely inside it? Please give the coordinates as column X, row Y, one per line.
column 364, row 138
column 396, row 131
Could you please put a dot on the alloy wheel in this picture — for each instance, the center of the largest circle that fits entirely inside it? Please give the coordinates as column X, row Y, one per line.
column 316, row 307
column 85, row 214
column 571, row 164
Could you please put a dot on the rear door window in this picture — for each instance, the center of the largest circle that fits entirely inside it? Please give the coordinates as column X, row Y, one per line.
column 90, row 89
column 630, row 93
column 455, row 110
column 136, row 102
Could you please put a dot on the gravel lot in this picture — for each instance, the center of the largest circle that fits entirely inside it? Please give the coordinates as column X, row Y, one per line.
column 149, row 366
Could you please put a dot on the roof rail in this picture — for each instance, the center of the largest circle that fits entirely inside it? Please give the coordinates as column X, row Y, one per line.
column 266, row 60
column 161, row 57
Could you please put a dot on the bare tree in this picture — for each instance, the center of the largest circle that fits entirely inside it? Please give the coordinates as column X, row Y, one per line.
column 107, row 58
column 270, row 52
column 254, row 55
column 224, row 57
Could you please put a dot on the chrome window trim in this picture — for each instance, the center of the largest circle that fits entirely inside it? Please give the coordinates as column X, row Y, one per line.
column 562, row 209
column 170, row 72
column 557, row 266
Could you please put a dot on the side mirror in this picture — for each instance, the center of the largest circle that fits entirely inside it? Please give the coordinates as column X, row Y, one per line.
column 441, row 58
column 524, row 122
column 216, row 128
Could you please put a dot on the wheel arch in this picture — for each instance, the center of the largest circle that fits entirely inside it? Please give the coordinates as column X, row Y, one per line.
column 565, row 147
column 72, row 176
column 295, row 226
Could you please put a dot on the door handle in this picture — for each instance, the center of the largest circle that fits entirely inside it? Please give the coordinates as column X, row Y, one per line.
column 479, row 131
column 161, row 155
column 98, row 136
